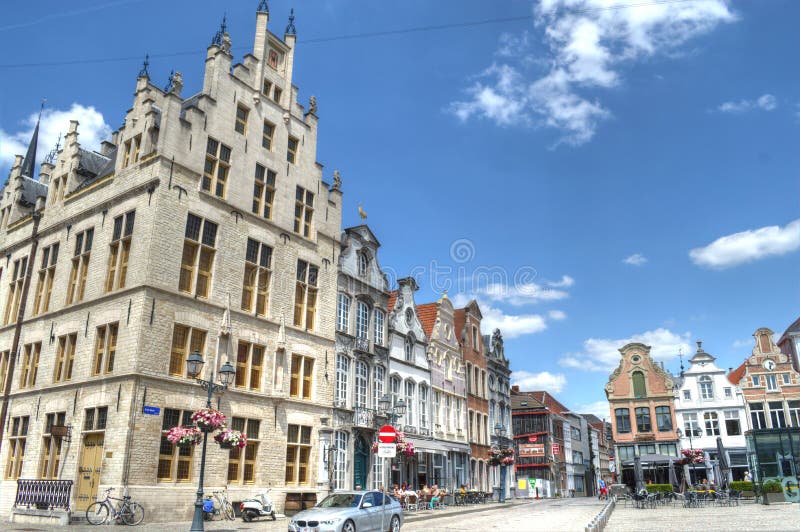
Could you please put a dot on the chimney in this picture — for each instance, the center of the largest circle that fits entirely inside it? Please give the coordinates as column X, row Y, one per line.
column 515, row 388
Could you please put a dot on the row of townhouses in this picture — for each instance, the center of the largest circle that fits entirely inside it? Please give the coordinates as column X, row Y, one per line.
column 560, row 453
column 205, row 224
column 743, row 422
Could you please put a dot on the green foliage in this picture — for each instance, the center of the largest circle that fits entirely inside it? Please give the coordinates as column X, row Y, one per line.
column 741, row 485
column 773, row 486
column 662, row 488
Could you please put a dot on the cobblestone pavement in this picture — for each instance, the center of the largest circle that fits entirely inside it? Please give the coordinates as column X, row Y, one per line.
column 743, row 518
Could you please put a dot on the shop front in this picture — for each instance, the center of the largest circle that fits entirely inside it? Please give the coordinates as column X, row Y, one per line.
column 773, row 456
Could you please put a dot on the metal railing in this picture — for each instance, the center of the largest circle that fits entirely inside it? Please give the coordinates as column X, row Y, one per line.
column 362, row 344
column 43, row 494
column 598, row 524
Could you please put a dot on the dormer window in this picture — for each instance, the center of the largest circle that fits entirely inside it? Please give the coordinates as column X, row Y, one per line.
column 363, row 264
column 409, row 348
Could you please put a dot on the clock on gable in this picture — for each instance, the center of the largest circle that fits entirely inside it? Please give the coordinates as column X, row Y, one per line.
column 769, row 364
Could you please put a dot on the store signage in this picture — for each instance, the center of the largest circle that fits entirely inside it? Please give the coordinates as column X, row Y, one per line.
column 533, row 439
column 556, row 448
column 528, row 449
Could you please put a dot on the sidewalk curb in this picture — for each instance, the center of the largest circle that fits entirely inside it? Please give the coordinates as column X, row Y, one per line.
column 414, row 517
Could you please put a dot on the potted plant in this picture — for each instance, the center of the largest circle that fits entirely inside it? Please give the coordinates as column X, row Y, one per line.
column 208, row 419
column 773, row 491
column 184, row 436
column 228, row 439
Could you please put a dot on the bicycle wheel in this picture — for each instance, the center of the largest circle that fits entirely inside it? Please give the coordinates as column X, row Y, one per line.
column 97, row 513
column 227, row 509
column 133, row 514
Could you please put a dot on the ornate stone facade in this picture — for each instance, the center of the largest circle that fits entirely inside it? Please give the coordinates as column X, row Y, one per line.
column 233, row 253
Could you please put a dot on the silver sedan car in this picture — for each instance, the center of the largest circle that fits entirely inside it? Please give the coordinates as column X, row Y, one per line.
column 350, row 511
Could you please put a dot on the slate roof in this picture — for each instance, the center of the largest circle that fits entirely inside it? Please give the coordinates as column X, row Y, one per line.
column 550, row 402
column 32, row 189
column 93, row 166
column 518, row 398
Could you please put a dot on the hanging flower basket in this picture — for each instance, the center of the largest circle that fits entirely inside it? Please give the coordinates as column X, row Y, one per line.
column 228, row 439
column 501, row 457
column 184, row 436
column 403, row 447
column 208, row 419
column 694, row 456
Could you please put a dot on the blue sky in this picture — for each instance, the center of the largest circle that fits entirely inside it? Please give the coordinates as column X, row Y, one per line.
column 591, row 172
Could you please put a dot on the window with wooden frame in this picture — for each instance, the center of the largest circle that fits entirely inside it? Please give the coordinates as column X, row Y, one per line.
column 257, row 275
column 272, row 58
column 242, row 462
column 267, row 134
column 30, row 365
column 80, row 266
column 131, row 151
column 16, row 446
column 185, row 340
column 276, row 95
column 5, row 356
column 217, row 167
column 197, row 261
column 298, row 453
column 51, row 446
column 249, row 366
column 241, row 119
column 305, row 296
column 120, row 250
column 47, row 272
column 266, row 87
column 105, row 349
column 15, row 289
column 95, row 419
column 291, row 149
column 174, row 461
column 301, row 380
column 303, row 211
column 65, row 357
column 263, row 191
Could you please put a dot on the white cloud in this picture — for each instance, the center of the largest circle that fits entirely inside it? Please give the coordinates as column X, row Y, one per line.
column 512, row 325
column 637, row 259
column 526, row 292
column 92, row 130
column 598, row 408
column 602, row 354
column 748, row 246
column 588, row 42
column 765, row 102
column 528, row 381
column 557, row 315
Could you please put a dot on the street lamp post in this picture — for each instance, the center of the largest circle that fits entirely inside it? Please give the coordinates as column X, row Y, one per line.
column 499, row 430
column 194, row 365
column 393, row 413
column 691, row 447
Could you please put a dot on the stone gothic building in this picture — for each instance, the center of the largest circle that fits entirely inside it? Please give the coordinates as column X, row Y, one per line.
column 203, row 224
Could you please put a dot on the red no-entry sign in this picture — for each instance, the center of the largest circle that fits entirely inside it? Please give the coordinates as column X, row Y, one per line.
column 387, row 434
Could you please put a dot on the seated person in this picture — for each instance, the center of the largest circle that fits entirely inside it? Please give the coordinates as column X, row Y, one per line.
column 426, row 490
column 396, row 491
column 436, row 495
column 462, row 490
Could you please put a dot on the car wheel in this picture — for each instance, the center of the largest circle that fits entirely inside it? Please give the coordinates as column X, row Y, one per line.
column 248, row 515
column 394, row 524
column 349, row 526
column 273, row 516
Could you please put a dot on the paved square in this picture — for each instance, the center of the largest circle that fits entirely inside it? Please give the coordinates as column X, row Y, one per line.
column 745, row 517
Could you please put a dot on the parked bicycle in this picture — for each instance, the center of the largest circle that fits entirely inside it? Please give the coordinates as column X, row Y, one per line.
column 124, row 510
column 223, row 508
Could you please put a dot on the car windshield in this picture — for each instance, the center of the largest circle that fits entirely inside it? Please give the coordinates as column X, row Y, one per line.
column 340, row 500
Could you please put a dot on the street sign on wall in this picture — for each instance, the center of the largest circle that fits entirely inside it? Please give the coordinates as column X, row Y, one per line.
column 556, row 448
column 528, row 449
column 387, row 450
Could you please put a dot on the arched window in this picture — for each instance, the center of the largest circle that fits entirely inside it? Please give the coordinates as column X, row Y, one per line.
column 363, row 264
column 469, row 377
column 362, row 378
column 378, row 376
column 362, row 319
column 447, row 367
column 343, row 313
column 423, row 406
column 409, row 348
column 410, row 401
column 394, row 389
column 639, row 389
column 706, row 387
column 340, row 385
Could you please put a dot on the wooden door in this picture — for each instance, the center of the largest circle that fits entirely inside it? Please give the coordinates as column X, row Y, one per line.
column 89, row 471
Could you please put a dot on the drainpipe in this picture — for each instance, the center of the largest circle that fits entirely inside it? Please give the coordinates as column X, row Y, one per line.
column 23, row 300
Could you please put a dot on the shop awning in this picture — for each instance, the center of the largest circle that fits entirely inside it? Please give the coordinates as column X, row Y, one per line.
column 456, row 447
column 427, row 446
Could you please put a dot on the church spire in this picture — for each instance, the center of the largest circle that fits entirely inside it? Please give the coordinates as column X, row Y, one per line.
column 263, row 7
column 29, row 163
column 223, row 29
